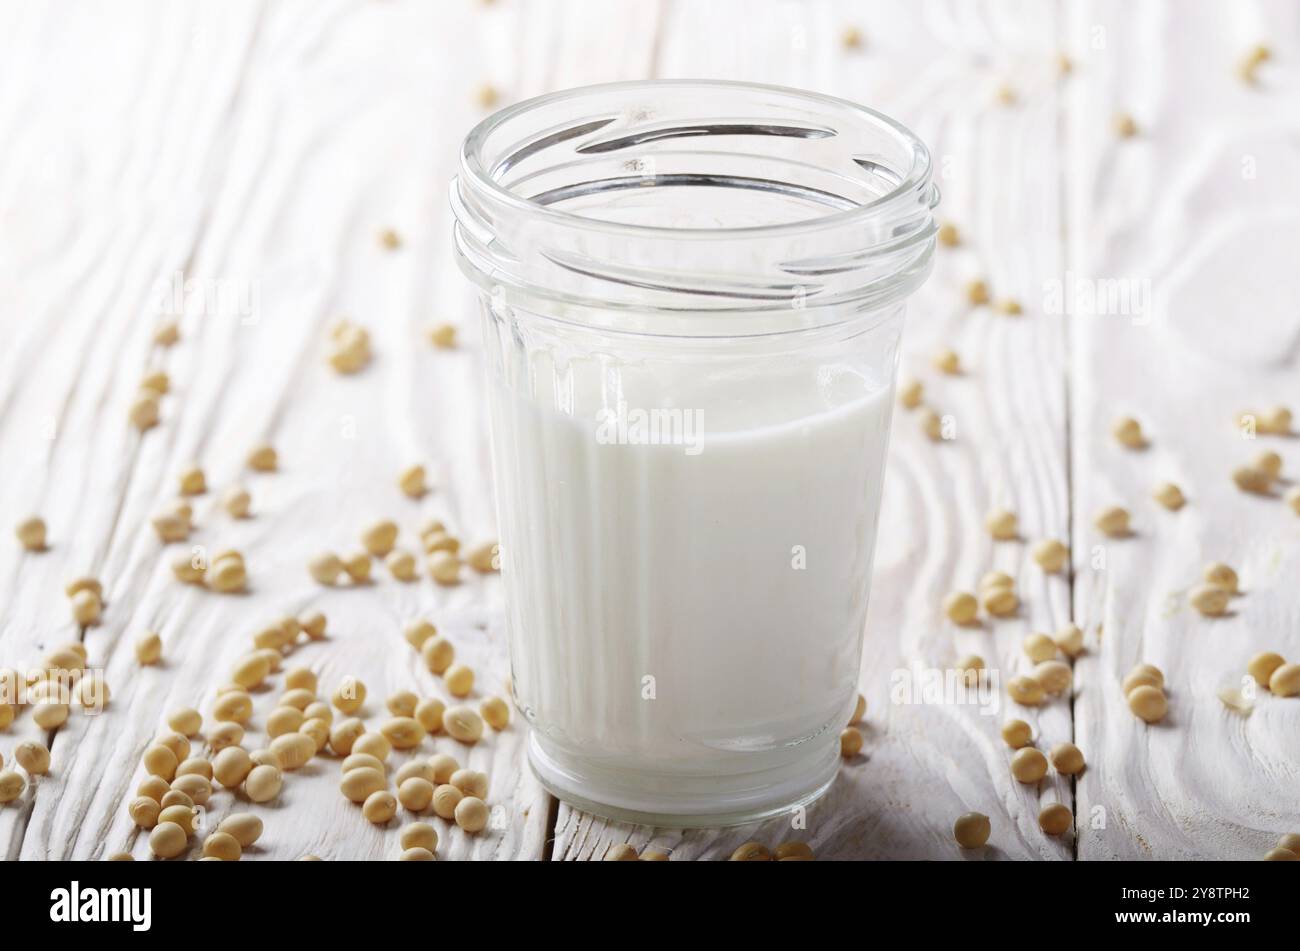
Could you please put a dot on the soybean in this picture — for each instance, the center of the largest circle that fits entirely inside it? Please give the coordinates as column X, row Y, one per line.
column 160, row 761
column 1028, row 765
column 1285, row 680
column 495, row 712
column 186, row 721
column 144, row 812
column 471, row 814
column 402, row 703
column 1223, row 576
column 1113, row 521
column 438, row 654
column 148, row 649
column 167, row 840
column 181, row 814
column 401, row 565
column 417, row 632
column 444, row 568
column 358, row 567
column 1000, row 602
column 784, row 852
column 236, row 501
column 484, row 558
column 419, row 835
column 282, row 720
column 429, row 713
column 176, row 797
column 415, row 769
column 345, row 734
column 1055, row 818
column 225, row 735
column 31, row 533
column 1053, row 676
column 231, row 766
column 1002, row 524
column 379, row 807
column 233, row 706
column 470, row 782
column 1148, row 703
column 402, row 732
column 350, row 695
column 362, row 761
column 194, row 785
column 850, row 743
column 1170, row 496
column 1039, row 647
column 463, row 724
column 325, row 568
column 223, row 846
column 378, row 539
column 300, row 678
column 961, row 607
column 411, row 481
column 1128, row 431
column 318, row 731
column 415, row 793
column 298, row 698
column 375, row 744
column 263, row 458
column 444, row 767
column 445, row 800
column 1143, row 675
column 293, row 750
column 263, row 783
column 1067, row 758
column 1016, row 734
column 244, row 827
column 11, row 785
column 360, row 783
column 1210, row 600
column 1261, row 666
column 155, row 787
column 1050, row 554
column 313, row 624
column 971, row 830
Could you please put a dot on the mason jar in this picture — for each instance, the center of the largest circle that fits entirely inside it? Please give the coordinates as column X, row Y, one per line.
column 692, row 297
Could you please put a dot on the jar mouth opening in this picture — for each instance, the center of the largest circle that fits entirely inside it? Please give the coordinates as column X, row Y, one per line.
column 678, row 201
column 484, row 171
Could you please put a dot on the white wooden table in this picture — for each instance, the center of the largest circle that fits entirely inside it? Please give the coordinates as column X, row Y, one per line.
column 257, row 149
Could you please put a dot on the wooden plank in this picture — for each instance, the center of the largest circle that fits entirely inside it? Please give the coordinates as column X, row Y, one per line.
column 325, row 136
column 85, row 234
column 935, row 67
column 1198, row 211
column 313, row 125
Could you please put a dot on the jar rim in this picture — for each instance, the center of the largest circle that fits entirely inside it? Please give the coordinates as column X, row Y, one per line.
column 867, row 244
column 916, row 180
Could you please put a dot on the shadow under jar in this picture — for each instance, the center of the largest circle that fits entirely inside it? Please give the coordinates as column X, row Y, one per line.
column 693, row 295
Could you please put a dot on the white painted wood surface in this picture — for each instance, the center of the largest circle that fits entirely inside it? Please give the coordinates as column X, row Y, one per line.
column 260, row 147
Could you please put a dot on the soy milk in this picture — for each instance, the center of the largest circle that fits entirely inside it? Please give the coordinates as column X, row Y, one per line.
column 687, row 564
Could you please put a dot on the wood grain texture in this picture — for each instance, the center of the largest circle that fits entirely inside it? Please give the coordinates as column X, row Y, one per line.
column 256, row 149
column 314, row 134
column 1203, row 207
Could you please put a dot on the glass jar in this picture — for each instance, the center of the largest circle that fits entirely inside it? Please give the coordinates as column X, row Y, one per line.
column 693, row 295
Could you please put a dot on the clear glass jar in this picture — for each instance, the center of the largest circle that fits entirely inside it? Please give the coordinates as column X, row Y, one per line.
column 693, row 295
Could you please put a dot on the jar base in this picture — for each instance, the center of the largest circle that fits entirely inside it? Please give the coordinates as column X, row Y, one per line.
column 684, row 801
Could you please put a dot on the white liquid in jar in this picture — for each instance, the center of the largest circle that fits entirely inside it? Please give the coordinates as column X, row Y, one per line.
column 692, row 610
